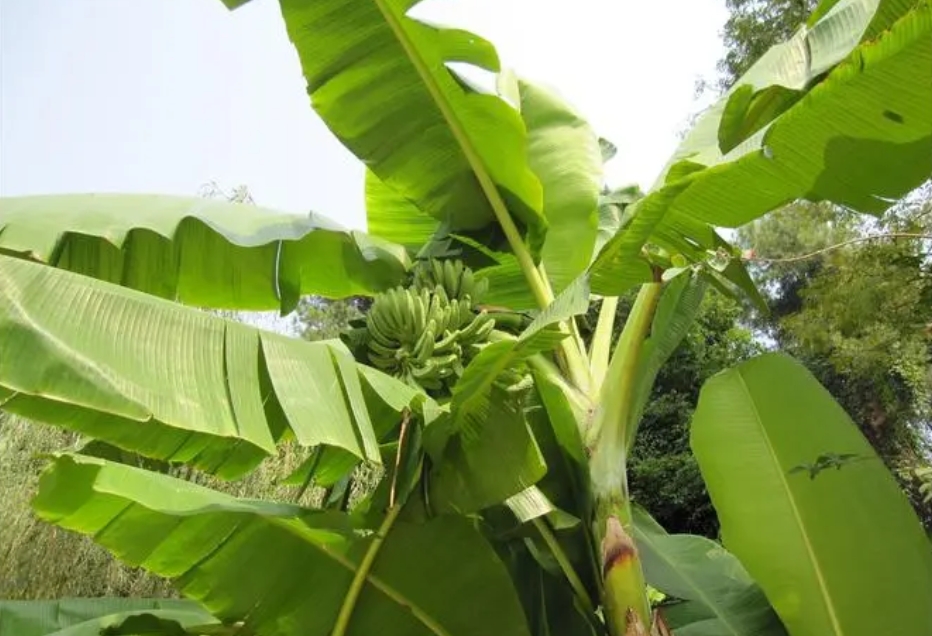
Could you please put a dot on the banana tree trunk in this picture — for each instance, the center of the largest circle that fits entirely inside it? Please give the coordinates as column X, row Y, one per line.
column 627, row 610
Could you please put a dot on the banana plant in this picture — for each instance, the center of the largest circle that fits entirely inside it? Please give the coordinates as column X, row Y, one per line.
column 500, row 433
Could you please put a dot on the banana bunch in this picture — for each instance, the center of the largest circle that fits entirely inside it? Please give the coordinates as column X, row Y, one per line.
column 423, row 335
column 457, row 280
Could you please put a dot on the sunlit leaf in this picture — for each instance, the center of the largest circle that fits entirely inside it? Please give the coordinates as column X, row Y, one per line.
column 200, row 252
column 840, row 554
column 174, row 383
column 379, row 79
column 252, row 561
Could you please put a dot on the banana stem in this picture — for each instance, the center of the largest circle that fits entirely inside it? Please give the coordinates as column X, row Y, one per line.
column 616, row 397
column 572, row 354
column 624, row 595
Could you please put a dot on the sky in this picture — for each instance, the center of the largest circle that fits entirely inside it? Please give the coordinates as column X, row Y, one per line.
column 163, row 96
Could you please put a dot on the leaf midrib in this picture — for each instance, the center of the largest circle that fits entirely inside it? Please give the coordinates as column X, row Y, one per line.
column 703, row 596
column 541, row 293
column 400, row 599
column 797, row 517
column 287, row 524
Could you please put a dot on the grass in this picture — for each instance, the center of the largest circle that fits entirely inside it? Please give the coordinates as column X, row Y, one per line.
column 38, row 560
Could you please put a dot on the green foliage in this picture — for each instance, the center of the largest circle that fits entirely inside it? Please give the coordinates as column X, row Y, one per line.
column 318, row 318
column 924, row 475
column 409, row 593
column 663, row 475
column 812, row 543
column 705, row 581
column 509, row 496
column 213, row 253
column 106, row 617
column 37, row 560
column 40, row 561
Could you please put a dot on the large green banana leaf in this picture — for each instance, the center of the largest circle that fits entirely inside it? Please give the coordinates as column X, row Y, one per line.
column 285, row 570
column 779, row 78
column 89, row 616
column 488, row 463
column 723, row 598
column 808, row 506
column 380, row 81
column 175, row 383
column 550, row 605
column 676, row 312
column 394, row 218
column 564, row 153
column 471, row 392
column 200, row 252
column 860, row 136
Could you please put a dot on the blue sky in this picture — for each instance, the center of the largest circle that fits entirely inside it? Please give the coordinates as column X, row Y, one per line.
column 166, row 95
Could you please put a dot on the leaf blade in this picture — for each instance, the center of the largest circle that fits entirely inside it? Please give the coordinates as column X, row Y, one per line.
column 173, row 383
column 214, row 536
column 86, row 617
column 565, row 155
column 696, row 569
column 755, row 423
column 199, row 251
column 451, row 151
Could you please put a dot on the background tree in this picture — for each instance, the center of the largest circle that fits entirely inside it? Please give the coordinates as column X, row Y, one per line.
column 318, row 318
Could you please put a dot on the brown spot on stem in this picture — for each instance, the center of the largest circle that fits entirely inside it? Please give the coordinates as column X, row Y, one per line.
column 617, row 546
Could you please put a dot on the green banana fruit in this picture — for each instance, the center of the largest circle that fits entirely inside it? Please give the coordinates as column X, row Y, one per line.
column 380, row 349
column 426, row 333
column 424, row 348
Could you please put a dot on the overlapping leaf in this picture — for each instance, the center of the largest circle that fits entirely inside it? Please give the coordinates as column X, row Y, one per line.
column 471, row 392
column 380, row 81
column 492, row 459
column 282, row 569
column 838, row 553
column 392, row 217
column 676, row 310
column 860, row 137
column 549, row 602
column 703, row 574
column 488, row 451
column 200, row 252
column 175, row 383
column 780, row 78
column 564, row 153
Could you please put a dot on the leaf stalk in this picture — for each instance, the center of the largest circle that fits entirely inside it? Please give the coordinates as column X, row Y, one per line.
column 362, row 573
